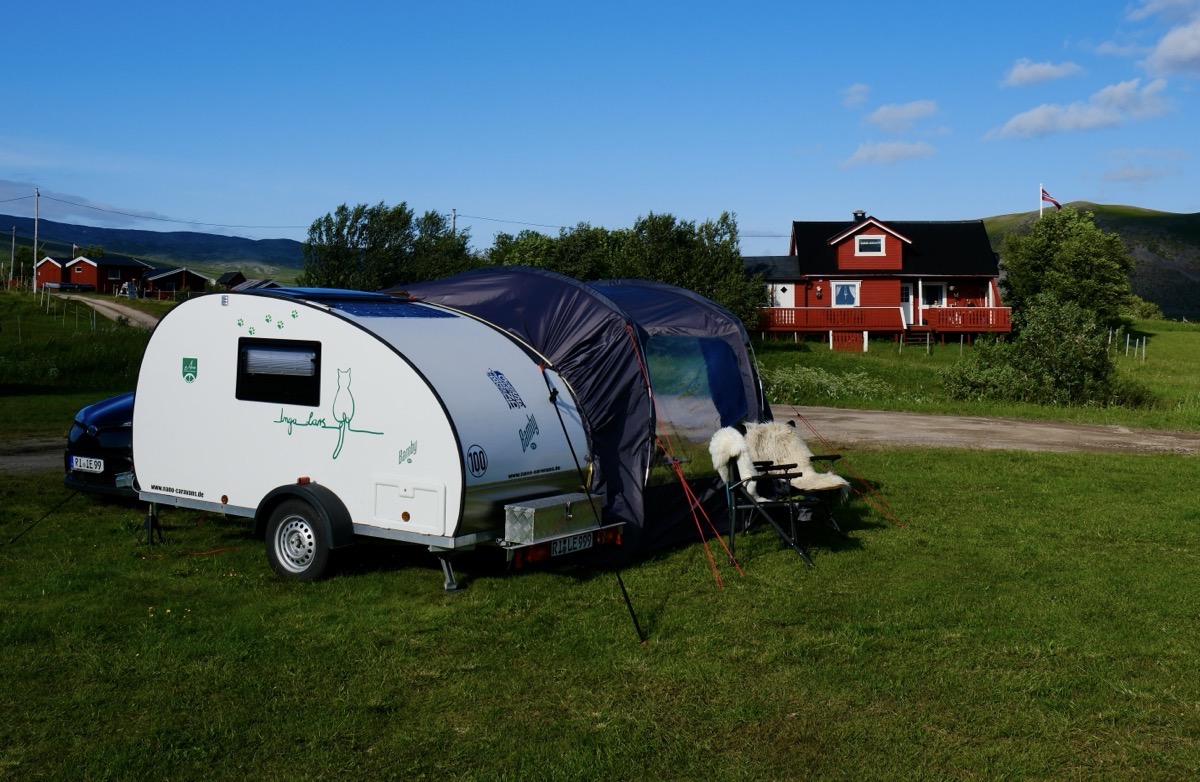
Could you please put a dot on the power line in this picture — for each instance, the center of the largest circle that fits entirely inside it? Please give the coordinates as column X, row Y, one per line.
column 164, row 219
column 510, row 222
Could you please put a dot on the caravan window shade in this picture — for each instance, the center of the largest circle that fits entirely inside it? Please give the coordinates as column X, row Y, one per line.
column 279, row 371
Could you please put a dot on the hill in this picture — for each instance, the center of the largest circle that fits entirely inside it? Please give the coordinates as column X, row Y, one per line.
column 1165, row 247
column 254, row 257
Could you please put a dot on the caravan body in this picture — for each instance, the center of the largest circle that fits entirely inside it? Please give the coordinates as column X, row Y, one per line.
column 390, row 418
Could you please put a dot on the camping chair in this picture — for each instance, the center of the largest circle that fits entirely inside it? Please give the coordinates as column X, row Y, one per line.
column 774, row 494
column 827, row 499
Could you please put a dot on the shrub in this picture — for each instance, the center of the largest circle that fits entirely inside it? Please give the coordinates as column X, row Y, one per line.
column 1059, row 357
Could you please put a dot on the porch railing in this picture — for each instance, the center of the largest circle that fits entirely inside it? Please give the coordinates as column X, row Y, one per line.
column 831, row 318
column 966, row 319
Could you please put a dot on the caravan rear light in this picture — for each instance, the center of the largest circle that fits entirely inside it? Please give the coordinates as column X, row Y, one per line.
column 304, row 480
column 609, row 535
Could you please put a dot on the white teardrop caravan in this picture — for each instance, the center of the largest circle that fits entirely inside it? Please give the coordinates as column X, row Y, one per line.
column 326, row 415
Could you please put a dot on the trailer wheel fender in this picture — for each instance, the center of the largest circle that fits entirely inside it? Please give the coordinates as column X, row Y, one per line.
column 331, row 511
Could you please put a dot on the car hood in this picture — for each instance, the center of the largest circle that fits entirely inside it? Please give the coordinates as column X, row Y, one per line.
column 114, row 411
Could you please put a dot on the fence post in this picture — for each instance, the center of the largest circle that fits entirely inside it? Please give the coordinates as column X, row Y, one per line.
column 865, row 341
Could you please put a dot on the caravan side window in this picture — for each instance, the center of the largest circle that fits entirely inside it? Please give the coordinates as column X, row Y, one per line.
column 283, row 371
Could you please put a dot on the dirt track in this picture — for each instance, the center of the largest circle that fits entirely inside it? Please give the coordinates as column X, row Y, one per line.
column 114, row 309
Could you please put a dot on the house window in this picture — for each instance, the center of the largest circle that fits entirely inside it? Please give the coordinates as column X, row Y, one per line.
column 79, row 270
column 845, row 294
column 868, row 245
column 114, row 274
column 281, row 371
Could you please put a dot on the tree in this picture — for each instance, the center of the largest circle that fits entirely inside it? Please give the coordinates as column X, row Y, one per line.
column 364, row 248
column 373, row 247
column 1059, row 356
column 1065, row 254
column 660, row 247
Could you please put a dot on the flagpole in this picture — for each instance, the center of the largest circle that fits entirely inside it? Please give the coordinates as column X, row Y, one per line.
column 1041, row 203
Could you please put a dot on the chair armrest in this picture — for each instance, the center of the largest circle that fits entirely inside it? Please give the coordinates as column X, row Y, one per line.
column 825, row 457
column 771, row 467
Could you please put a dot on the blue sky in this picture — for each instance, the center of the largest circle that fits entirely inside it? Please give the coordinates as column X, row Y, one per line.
column 255, row 118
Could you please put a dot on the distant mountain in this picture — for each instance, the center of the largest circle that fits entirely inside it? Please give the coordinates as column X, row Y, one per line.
column 1165, row 247
column 254, row 257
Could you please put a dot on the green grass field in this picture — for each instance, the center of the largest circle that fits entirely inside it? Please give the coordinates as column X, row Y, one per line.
column 1036, row 619
column 889, row 378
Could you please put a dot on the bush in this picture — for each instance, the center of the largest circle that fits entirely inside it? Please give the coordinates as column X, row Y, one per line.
column 1059, row 357
column 787, row 385
column 1140, row 309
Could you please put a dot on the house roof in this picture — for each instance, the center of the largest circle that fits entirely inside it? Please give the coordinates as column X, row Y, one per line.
column 158, row 272
column 942, row 248
column 231, row 278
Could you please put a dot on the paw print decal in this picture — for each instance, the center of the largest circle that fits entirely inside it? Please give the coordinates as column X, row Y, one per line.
column 295, row 314
column 268, row 319
column 241, row 322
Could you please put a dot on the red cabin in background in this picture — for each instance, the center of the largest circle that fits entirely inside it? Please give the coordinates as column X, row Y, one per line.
column 105, row 274
column 910, row 280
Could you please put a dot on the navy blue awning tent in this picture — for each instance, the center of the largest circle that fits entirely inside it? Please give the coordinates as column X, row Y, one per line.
column 605, row 341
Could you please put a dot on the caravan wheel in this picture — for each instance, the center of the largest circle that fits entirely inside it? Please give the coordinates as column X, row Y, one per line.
column 296, row 544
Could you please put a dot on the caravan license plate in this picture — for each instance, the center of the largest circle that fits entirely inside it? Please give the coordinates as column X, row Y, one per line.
column 87, row 464
column 571, row 544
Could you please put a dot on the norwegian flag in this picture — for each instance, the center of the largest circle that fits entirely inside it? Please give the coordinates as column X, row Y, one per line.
column 1049, row 198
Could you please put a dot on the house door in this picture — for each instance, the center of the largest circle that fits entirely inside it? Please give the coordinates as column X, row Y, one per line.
column 906, row 310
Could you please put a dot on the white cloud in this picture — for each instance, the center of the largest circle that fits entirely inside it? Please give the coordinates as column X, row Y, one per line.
column 888, row 152
column 1110, row 107
column 855, row 95
column 900, row 117
column 1025, row 71
column 1178, row 51
column 1137, row 174
column 1172, row 10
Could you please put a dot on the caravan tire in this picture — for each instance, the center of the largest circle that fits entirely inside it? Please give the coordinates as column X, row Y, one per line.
column 296, row 544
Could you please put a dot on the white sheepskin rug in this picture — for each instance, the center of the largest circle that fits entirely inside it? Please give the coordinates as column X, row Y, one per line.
column 729, row 444
column 782, row 444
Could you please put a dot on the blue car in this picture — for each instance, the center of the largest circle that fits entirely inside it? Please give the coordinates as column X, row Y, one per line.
column 99, row 454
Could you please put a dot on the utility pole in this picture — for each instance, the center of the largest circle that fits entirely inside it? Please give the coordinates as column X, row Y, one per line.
column 13, row 255
column 36, row 200
column 453, row 222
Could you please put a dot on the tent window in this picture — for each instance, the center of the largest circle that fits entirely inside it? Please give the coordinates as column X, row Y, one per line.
column 698, row 384
column 280, row 371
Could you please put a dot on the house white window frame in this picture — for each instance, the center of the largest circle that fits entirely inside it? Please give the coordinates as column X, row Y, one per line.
column 833, row 292
column 858, row 245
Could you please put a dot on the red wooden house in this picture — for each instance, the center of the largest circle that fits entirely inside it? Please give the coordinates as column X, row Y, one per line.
column 846, row 281
column 105, row 274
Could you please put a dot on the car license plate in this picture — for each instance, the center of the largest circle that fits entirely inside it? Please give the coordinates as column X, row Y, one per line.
column 570, row 545
column 87, row 464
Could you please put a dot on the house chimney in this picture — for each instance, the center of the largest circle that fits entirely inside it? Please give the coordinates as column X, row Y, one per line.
column 859, row 215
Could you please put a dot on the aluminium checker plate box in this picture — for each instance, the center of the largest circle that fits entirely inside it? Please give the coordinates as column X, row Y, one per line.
column 533, row 521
